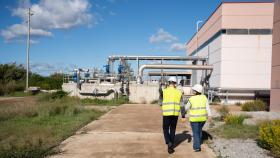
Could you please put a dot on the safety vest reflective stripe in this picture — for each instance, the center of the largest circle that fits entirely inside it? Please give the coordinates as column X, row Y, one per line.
column 170, row 110
column 198, row 115
column 199, row 108
column 172, row 103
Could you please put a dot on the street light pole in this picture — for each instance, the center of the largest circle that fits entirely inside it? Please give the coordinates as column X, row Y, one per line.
column 194, row 78
column 197, row 23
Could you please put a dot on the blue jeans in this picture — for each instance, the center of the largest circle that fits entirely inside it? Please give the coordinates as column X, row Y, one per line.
column 197, row 134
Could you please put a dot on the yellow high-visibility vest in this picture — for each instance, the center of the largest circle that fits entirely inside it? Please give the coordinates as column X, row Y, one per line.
column 171, row 103
column 198, row 111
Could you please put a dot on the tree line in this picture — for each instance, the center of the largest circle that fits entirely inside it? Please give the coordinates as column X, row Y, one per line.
column 13, row 78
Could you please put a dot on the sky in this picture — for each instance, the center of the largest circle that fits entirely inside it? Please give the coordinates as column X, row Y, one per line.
column 82, row 33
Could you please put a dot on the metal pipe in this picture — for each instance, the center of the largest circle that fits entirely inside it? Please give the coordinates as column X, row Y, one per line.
column 178, row 58
column 172, row 66
column 167, row 73
column 235, row 95
column 97, row 93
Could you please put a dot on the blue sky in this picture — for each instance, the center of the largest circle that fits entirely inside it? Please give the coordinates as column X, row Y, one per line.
column 82, row 33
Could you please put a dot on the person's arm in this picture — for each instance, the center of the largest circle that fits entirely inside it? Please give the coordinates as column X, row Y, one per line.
column 209, row 115
column 183, row 111
column 187, row 106
column 160, row 96
column 208, row 109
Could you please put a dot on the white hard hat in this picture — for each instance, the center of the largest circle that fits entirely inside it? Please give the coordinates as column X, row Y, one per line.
column 172, row 79
column 197, row 88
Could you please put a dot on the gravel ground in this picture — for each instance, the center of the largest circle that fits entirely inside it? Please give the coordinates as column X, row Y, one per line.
column 238, row 148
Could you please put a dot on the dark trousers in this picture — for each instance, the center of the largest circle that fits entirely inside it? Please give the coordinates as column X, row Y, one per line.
column 169, row 128
column 197, row 134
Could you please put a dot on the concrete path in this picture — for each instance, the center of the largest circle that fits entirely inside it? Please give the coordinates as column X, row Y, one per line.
column 129, row 131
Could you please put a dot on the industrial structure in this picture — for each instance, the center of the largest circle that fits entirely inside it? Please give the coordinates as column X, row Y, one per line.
column 237, row 40
column 230, row 55
column 275, row 78
column 125, row 82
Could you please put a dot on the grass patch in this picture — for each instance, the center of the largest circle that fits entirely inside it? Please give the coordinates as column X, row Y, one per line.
column 18, row 94
column 155, row 102
column 113, row 102
column 33, row 130
column 235, row 119
column 223, row 112
column 256, row 105
column 236, row 131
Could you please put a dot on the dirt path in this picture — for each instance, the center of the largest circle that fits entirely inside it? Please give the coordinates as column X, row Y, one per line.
column 129, row 131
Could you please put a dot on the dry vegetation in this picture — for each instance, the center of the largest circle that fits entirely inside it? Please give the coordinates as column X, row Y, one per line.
column 34, row 126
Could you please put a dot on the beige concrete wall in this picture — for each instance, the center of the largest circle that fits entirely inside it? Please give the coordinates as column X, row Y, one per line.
column 145, row 93
column 246, row 61
column 234, row 15
column 247, row 15
column 275, row 78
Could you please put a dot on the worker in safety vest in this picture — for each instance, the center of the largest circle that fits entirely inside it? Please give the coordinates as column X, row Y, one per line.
column 199, row 112
column 171, row 107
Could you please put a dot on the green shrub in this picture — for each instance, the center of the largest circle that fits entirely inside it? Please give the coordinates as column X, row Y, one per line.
column 223, row 111
column 234, row 119
column 53, row 96
column 155, row 102
column 238, row 104
column 256, row 105
column 269, row 137
column 58, row 95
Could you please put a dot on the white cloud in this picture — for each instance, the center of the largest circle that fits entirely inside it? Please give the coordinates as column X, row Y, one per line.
column 177, row 47
column 112, row 13
column 19, row 31
column 162, row 36
column 49, row 15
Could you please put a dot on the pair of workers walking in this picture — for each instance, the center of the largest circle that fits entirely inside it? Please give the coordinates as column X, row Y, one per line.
column 173, row 104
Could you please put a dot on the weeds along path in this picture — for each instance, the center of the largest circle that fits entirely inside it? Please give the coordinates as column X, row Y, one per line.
column 130, row 130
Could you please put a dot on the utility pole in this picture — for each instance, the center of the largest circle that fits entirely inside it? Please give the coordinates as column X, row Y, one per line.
column 28, row 49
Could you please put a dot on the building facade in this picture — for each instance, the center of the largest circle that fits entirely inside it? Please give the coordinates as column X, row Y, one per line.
column 237, row 39
column 275, row 78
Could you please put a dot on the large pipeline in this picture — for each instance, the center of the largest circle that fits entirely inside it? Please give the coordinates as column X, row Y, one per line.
column 178, row 58
column 97, row 93
column 171, row 66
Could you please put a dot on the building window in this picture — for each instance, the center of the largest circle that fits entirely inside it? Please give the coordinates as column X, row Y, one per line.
column 237, row 31
column 260, row 31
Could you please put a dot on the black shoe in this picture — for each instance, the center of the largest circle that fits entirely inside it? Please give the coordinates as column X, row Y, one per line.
column 170, row 148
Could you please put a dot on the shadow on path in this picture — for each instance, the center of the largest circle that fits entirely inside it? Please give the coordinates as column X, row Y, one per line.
column 181, row 137
column 206, row 136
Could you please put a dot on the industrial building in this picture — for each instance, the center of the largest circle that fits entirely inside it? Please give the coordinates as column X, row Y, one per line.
column 237, row 40
column 230, row 55
column 275, row 78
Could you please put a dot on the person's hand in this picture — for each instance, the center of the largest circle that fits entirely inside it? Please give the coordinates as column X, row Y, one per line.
column 210, row 119
column 183, row 120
